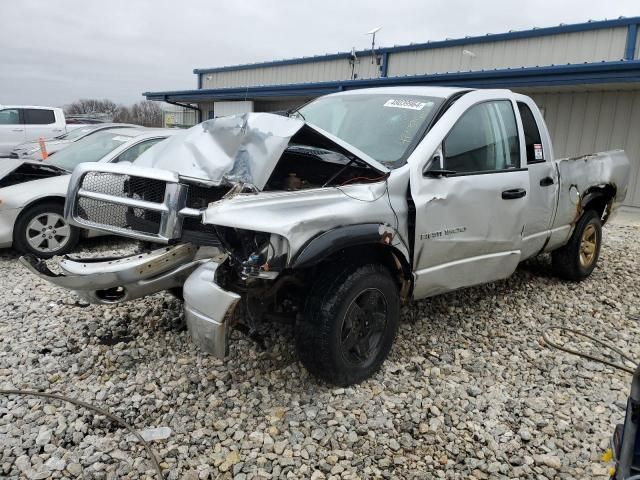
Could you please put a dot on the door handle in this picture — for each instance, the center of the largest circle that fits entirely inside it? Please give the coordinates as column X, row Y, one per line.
column 546, row 182
column 18, row 130
column 513, row 193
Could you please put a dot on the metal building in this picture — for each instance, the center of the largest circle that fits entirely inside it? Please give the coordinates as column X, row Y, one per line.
column 585, row 77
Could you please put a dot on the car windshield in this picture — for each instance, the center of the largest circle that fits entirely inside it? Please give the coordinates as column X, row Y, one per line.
column 384, row 126
column 75, row 133
column 89, row 149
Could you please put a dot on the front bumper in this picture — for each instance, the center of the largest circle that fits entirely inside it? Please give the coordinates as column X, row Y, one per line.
column 207, row 306
column 115, row 280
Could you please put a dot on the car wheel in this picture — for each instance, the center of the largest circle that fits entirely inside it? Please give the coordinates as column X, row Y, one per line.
column 350, row 322
column 43, row 231
column 578, row 258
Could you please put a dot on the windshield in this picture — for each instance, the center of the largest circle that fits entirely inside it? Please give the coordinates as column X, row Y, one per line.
column 75, row 133
column 384, row 126
column 89, row 149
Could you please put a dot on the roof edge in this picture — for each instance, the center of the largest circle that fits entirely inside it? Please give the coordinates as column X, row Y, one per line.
column 584, row 73
column 489, row 37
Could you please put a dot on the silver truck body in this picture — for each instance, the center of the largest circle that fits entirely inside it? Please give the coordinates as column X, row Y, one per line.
column 438, row 232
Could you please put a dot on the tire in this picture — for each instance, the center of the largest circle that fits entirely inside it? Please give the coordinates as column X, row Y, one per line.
column 42, row 231
column 350, row 321
column 578, row 258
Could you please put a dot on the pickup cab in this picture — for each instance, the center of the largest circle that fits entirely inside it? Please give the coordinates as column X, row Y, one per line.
column 19, row 124
column 335, row 216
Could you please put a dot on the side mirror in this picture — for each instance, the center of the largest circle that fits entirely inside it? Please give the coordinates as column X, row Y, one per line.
column 435, row 167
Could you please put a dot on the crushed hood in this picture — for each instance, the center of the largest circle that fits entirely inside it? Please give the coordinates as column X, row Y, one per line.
column 235, row 149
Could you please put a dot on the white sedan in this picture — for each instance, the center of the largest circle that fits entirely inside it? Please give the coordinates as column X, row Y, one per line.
column 32, row 194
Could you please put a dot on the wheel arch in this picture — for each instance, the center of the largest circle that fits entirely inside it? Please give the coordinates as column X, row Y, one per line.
column 599, row 198
column 361, row 243
column 39, row 201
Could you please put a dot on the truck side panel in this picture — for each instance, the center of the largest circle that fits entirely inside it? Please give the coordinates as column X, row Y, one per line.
column 578, row 177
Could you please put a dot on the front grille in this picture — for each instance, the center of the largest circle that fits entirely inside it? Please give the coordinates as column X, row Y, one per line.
column 104, row 214
column 156, row 208
column 115, row 202
column 126, row 186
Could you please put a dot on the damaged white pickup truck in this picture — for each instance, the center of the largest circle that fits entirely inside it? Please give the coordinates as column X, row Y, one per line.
column 332, row 217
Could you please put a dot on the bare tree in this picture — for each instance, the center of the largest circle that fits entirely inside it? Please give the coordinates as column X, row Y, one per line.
column 122, row 115
column 145, row 113
column 91, row 106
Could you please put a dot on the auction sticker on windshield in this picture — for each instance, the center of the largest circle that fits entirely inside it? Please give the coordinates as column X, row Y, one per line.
column 410, row 104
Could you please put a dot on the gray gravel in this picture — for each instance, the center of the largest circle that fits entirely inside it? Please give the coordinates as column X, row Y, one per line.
column 468, row 391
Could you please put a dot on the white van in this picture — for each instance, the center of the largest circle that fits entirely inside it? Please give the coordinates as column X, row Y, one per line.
column 19, row 124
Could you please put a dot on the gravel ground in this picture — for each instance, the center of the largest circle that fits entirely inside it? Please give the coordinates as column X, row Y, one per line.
column 468, row 391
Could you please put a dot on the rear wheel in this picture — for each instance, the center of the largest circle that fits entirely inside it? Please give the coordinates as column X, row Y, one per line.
column 43, row 231
column 350, row 322
column 578, row 258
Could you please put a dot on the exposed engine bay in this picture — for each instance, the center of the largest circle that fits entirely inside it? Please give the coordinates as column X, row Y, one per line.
column 304, row 166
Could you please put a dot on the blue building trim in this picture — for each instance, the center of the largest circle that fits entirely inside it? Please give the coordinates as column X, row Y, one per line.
column 632, row 37
column 532, row 33
column 623, row 71
column 199, row 81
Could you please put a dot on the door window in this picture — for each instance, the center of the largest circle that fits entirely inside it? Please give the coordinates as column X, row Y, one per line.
column 10, row 116
column 38, row 116
column 532, row 138
column 134, row 152
column 485, row 139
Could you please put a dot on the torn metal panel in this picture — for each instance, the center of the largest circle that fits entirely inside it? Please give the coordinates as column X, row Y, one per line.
column 240, row 149
column 301, row 215
column 579, row 175
column 208, row 308
column 234, row 149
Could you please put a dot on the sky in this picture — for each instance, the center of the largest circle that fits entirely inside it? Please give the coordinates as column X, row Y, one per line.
column 56, row 51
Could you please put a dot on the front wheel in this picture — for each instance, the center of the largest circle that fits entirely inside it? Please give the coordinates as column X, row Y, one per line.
column 578, row 258
column 350, row 322
column 43, row 231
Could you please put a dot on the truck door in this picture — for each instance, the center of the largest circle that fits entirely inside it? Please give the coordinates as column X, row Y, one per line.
column 470, row 215
column 11, row 130
column 543, row 177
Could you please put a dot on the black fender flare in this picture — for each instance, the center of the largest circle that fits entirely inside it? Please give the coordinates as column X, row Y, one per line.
column 339, row 238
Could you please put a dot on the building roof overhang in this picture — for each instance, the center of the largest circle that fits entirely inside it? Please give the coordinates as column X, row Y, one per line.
column 624, row 71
